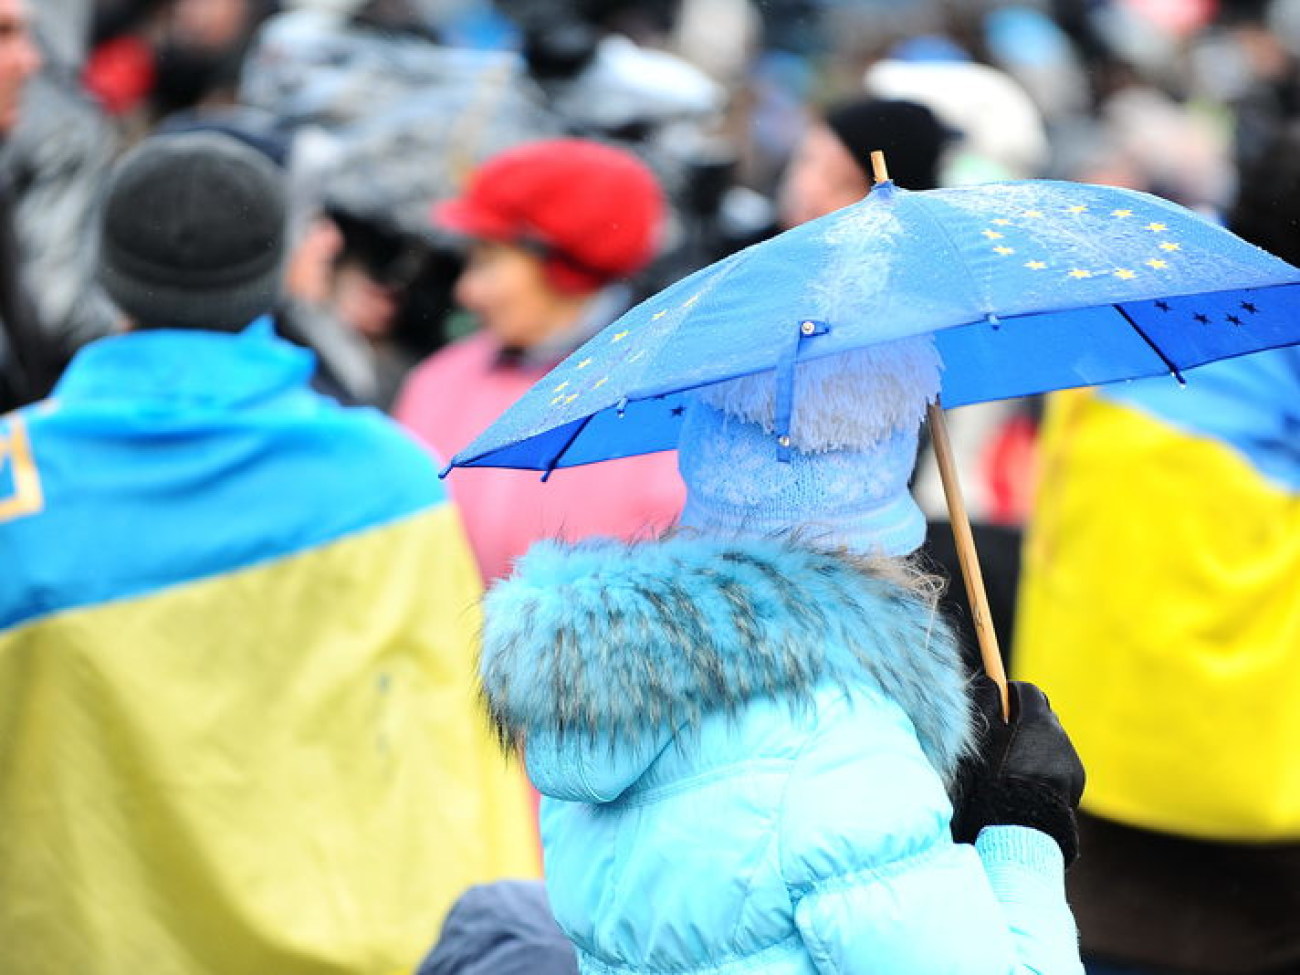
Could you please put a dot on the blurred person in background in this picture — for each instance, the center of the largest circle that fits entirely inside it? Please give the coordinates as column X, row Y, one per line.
column 414, row 115
column 403, row 120
column 310, row 312
column 55, row 154
column 556, row 229
column 200, row 51
column 390, row 291
column 1001, row 133
column 237, row 712
column 1158, row 610
column 120, row 71
column 155, row 57
column 831, row 165
column 21, row 60
column 26, row 363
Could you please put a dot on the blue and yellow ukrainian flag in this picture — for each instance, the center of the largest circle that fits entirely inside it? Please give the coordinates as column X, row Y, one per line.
column 1160, row 597
column 238, row 719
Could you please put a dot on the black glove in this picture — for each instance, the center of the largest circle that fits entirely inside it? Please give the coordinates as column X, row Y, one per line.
column 1023, row 772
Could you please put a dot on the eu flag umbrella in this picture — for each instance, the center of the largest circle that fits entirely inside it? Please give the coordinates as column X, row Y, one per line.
column 1027, row 287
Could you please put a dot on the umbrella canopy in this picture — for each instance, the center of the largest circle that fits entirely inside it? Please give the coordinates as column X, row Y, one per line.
column 1027, row 287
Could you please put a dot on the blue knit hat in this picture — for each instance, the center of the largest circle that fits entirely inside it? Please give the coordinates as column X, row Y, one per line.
column 852, row 439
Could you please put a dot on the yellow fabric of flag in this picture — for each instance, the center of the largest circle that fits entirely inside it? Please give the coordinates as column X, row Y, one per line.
column 280, row 794
column 1160, row 611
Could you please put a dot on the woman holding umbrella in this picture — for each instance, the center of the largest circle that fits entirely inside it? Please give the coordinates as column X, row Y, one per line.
column 747, row 732
column 745, row 728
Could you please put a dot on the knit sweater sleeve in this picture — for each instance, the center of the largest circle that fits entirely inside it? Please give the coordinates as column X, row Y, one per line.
column 1027, row 877
column 879, row 886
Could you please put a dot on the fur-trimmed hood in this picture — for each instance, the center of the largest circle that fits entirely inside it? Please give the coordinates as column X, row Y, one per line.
column 605, row 644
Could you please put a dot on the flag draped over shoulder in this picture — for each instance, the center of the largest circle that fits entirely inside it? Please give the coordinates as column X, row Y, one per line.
column 238, row 721
column 1158, row 600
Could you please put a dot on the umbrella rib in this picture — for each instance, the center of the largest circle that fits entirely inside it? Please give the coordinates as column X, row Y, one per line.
column 554, row 462
column 941, row 230
column 1169, row 365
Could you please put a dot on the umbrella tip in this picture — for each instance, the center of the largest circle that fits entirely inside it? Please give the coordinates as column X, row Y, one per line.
column 879, row 171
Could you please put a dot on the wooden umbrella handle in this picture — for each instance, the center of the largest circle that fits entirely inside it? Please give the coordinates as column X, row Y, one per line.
column 966, row 553
column 967, row 556
column 879, row 171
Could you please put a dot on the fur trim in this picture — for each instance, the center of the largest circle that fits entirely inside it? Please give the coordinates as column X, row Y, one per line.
column 610, row 639
column 848, row 401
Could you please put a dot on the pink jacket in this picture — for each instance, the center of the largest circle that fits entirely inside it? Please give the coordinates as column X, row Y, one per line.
column 452, row 396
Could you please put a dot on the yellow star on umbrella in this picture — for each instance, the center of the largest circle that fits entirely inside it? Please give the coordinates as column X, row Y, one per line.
column 1124, row 274
column 620, row 336
column 1035, row 265
column 1004, row 251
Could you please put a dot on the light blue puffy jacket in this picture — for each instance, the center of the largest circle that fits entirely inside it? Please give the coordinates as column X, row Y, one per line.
column 742, row 748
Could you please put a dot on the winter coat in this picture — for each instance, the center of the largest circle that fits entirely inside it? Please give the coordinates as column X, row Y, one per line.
column 742, row 749
column 453, row 396
column 58, row 157
column 52, row 166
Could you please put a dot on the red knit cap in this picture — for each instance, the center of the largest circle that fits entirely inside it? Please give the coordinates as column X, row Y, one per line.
column 593, row 211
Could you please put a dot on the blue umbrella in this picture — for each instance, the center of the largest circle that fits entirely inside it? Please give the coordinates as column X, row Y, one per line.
column 1027, row 287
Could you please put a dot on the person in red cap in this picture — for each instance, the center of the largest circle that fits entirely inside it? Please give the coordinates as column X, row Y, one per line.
column 556, row 229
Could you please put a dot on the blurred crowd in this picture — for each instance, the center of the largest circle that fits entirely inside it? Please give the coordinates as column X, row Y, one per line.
column 376, row 110
column 451, row 170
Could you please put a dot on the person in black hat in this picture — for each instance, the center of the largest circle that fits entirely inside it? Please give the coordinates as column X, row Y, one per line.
column 193, row 233
column 831, row 167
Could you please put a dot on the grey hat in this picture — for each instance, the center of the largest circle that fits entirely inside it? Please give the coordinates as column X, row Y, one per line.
column 193, row 233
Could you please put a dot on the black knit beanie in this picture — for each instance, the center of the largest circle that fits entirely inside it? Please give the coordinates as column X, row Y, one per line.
column 192, row 233
column 908, row 133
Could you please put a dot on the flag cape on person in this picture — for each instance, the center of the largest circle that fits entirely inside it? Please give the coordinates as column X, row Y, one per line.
column 237, row 703
column 1164, row 554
